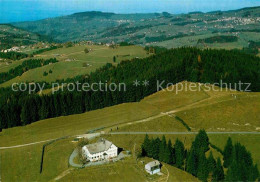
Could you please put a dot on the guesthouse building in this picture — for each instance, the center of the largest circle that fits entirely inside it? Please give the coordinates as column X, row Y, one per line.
column 102, row 150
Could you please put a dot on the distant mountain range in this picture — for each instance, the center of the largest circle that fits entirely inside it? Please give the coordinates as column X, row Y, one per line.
column 163, row 29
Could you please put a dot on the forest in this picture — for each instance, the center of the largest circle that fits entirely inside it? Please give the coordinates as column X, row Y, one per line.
column 171, row 66
column 13, row 55
column 46, row 49
column 164, row 37
column 219, row 39
column 25, row 66
column 237, row 159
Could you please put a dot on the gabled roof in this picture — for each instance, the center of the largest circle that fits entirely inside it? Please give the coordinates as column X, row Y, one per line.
column 153, row 163
column 100, row 146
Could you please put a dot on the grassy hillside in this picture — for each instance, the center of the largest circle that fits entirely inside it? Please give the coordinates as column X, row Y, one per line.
column 27, row 161
column 11, row 36
column 156, row 29
column 128, row 117
column 6, row 66
column 129, row 170
column 244, row 110
column 73, row 61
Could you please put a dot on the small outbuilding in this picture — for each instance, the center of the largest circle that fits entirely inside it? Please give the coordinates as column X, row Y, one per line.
column 153, row 167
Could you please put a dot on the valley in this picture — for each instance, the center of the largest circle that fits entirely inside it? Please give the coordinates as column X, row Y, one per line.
column 160, row 29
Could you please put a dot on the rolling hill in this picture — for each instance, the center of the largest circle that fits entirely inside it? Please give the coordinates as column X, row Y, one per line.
column 11, row 36
column 73, row 61
column 163, row 29
column 146, row 115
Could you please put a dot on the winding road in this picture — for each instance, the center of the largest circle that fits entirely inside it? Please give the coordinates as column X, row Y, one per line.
column 143, row 133
column 203, row 102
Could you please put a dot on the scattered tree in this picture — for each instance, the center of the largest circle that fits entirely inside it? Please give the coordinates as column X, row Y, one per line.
column 45, row 73
column 114, row 59
column 86, row 50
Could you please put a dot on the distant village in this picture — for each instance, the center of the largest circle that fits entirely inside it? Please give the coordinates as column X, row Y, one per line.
column 44, row 45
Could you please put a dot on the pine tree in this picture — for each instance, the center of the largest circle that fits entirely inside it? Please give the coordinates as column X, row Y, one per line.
column 211, row 163
column 192, row 163
column 218, row 172
column 145, row 145
column 179, row 153
column 232, row 172
column 254, row 173
column 202, row 173
column 162, row 149
column 227, row 153
column 241, row 167
column 168, row 156
column 201, row 142
column 114, row 59
column 150, row 148
column 156, row 148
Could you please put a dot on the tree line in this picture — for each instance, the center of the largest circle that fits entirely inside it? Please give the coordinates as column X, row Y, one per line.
column 237, row 159
column 45, row 50
column 219, row 39
column 25, row 66
column 19, row 55
column 171, row 66
column 13, row 55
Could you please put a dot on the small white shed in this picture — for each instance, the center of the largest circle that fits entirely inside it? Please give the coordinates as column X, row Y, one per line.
column 153, row 167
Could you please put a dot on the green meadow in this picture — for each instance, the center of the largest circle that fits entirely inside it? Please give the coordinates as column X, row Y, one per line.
column 154, row 113
column 73, row 61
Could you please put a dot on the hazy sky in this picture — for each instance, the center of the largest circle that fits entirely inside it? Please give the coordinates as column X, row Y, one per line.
column 23, row 10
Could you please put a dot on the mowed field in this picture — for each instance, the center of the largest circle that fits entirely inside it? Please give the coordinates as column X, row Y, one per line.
column 74, row 61
column 154, row 113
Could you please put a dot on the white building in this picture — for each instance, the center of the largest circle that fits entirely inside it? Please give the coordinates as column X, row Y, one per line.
column 153, row 167
column 101, row 150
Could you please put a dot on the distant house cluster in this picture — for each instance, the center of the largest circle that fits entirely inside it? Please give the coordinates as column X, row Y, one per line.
column 13, row 49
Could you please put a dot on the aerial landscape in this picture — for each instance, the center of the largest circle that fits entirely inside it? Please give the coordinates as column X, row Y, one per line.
column 129, row 90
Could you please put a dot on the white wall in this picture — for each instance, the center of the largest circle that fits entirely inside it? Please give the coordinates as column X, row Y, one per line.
column 111, row 152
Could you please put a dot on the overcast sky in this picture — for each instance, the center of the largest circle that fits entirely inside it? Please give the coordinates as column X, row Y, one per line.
column 21, row 10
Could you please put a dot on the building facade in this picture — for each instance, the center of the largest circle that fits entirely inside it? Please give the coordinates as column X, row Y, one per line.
column 102, row 150
column 153, row 167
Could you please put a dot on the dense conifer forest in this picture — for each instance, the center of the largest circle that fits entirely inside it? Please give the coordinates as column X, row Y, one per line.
column 171, row 66
column 13, row 55
column 237, row 159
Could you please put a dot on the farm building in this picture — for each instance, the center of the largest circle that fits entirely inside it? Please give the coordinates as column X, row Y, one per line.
column 153, row 167
column 101, row 150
